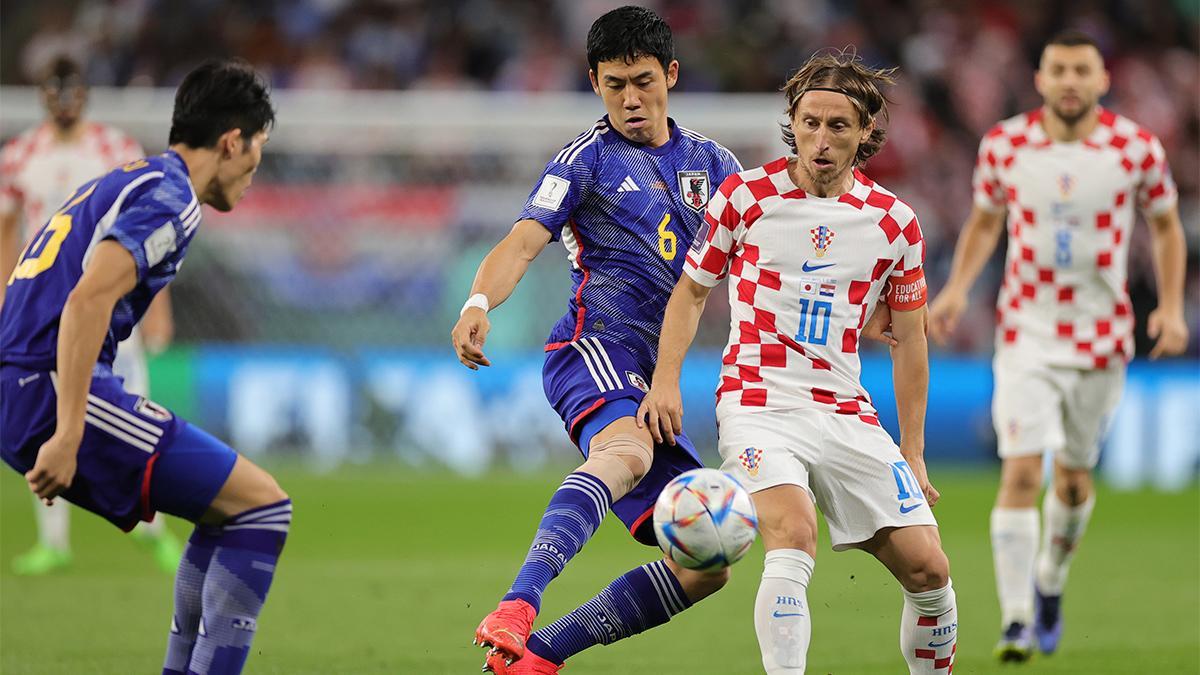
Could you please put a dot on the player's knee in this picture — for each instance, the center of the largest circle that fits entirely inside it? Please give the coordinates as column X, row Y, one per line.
column 699, row 585
column 1023, row 480
column 1075, row 488
column 788, row 533
column 267, row 491
column 621, row 461
column 927, row 572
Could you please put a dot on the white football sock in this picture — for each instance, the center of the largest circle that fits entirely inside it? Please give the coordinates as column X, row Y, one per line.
column 1062, row 528
column 53, row 524
column 782, row 617
column 1014, row 548
column 929, row 630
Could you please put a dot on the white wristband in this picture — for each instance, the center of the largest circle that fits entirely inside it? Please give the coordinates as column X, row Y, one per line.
column 478, row 300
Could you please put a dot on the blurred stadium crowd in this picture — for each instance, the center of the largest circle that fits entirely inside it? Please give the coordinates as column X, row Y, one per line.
column 963, row 67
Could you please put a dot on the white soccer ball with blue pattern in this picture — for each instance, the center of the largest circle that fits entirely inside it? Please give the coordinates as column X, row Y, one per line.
column 704, row 520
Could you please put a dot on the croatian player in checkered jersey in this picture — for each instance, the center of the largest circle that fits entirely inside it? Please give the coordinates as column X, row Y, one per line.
column 38, row 170
column 626, row 198
column 1071, row 175
column 809, row 246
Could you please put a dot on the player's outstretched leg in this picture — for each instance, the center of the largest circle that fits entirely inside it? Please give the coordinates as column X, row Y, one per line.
column 787, row 520
column 230, row 559
column 635, row 602
column 53, row 548
column 1014, row 528
column 618, row 457
column 929, row 620
column 1065, row 513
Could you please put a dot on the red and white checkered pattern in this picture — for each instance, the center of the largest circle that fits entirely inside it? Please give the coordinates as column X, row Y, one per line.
column 759, row 236
column 38, row 173
column 1064, row 303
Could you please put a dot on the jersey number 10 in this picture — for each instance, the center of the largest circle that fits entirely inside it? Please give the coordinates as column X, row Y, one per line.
column 814, row 321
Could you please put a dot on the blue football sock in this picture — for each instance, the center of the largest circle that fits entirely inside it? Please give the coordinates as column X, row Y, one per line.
column 236, row 586
column 639, row 600
column 189, row 582
column 574, row 513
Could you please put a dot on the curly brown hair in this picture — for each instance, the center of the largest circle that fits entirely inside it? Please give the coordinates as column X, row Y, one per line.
column 844, row 72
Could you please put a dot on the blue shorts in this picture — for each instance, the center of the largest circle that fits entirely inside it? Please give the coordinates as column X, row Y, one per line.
column 590, row 384
column 135, row 457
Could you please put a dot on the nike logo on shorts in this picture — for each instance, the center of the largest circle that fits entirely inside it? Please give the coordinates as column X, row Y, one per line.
column 904, row 510
column 779, row 615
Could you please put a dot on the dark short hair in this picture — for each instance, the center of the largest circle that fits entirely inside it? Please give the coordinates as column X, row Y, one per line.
column 217, row 96
column 63, row 70
column 627, row 33
column 1072, row 38
column 845, row 73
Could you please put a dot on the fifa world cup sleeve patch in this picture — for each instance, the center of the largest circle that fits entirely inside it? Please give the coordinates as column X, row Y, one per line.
column 906, row 293
column 551, row 192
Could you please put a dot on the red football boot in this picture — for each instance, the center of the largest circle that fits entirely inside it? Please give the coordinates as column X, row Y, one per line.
column 530, row 664
column 505, row 631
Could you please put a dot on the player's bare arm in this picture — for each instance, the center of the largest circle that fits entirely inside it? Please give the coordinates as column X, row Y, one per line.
column 1166, row 324
column 662, row 409
column 10, row 247
column 110, row 274
column 498, row 275
column 910, row 372
column 975, row 245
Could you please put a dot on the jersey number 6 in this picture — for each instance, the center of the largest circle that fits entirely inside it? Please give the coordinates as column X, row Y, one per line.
column 667, row 240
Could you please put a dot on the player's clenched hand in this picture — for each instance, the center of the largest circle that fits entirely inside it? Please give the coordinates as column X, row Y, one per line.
column 662, row 412
column 916, row 462
column 1170, row 332
column 879, row 327
column 468, row 337
column 947, row 307
column 54, row 469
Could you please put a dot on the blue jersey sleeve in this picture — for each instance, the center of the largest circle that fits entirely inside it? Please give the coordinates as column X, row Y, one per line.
column 729, row 165
column 150, row 223
column 564, row 184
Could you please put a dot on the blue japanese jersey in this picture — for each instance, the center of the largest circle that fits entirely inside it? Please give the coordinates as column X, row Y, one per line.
column 627, row 213
column 148, row 207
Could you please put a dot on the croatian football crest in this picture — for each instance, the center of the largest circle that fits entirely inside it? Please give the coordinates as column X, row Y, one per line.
column 822, row 238
column 1066, row 185
column 693, row 186
column 751, row 460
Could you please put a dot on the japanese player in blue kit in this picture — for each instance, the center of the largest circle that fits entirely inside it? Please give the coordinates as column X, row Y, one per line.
column 626, row 198
column 66, row 422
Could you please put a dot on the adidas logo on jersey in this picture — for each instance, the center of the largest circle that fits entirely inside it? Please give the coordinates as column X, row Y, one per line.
column 628, row 185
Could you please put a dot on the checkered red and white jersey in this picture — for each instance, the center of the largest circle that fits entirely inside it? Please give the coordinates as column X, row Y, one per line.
column 38, row 173
column 1070, row 216
column 805, row 274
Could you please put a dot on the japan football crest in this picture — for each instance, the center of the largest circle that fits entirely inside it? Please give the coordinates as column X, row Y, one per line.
column 693, row 187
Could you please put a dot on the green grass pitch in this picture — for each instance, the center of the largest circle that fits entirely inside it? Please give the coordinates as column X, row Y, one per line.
column 387, row 572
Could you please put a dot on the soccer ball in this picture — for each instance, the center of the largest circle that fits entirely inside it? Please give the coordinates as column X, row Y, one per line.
column 704, row 520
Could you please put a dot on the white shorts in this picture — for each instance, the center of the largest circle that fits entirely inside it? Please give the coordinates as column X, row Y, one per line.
column 853, row 470
column 1064, row 411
